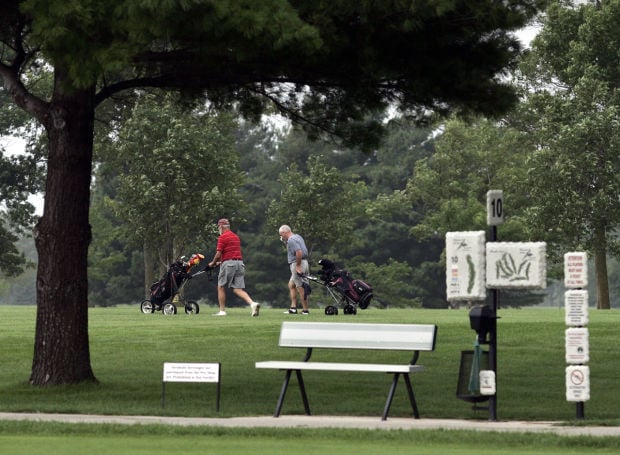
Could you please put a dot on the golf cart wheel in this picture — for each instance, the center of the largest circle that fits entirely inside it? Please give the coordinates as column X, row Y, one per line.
column 350, row 309
column 191, row 307
column 331, row 310
column 169, row 309
column 147, row 307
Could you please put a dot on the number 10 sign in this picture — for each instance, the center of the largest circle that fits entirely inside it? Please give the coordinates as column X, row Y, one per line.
column 495, row 207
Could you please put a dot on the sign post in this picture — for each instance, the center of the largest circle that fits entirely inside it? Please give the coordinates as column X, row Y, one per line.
column 503, row 265
column 577, row 345
column 495, row 217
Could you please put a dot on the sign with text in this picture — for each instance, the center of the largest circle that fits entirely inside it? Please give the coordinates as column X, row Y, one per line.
column 576, row 270
column 519, row 265
column 191, row 372
column 577, row 383
column 577, row 345
column 576, row 307
column 465, row 265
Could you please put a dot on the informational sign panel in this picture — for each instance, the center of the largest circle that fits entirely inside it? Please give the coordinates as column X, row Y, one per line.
column 487, row 382
column 578, row 383
column 576, row 307
column 520, row 265
column 577, row 346
column 465, row 266
column 495, row 207
column 191, row 372
column 576, row 270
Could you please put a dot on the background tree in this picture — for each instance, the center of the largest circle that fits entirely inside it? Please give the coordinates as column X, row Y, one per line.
column 320, row 205
column 328, row 63
column 448, row 190
column 178, row 173
column 572, row 113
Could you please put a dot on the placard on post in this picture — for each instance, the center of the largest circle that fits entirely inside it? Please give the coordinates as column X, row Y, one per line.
column 576, row 270
column 517, row 265
column 495, row 207
column 191, row 372
column 465, row 265
column 576, row 307
column 578, row 383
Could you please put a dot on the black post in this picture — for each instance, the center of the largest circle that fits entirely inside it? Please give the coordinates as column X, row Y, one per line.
column 163, row 397
column 493, row 341
column 580, row 409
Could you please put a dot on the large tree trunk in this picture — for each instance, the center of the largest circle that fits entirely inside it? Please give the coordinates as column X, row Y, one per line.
column 600, row 267
column 62, row 236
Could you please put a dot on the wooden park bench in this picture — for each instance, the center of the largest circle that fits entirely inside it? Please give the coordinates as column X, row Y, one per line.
column 345, row 336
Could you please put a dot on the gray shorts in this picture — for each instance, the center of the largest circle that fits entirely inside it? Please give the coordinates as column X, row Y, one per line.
column 232, row 273
column 305, row 269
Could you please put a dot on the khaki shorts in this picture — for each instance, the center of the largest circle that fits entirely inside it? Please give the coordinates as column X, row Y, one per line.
column 295, row 278
column 232, row 274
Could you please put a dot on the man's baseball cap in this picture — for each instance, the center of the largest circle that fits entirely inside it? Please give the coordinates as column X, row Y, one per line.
column 223, row 222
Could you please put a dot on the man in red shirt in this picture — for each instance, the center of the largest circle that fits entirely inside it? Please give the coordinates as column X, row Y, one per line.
column 232, row 270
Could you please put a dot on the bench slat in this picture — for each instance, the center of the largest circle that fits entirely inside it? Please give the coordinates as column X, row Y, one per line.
column 333, row 366
column 409, row 337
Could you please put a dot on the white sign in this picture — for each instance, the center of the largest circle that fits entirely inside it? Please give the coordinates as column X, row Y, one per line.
column 191, row 372
column 576, row 270
column 519, row 265
column 465, row 267
column 576, row 307
column 487, row 382
column 577, row 346
column 495, row 207
column 577, row 383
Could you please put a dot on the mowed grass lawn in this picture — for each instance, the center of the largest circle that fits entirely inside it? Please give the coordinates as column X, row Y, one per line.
column 128, row 350
column 65, row 439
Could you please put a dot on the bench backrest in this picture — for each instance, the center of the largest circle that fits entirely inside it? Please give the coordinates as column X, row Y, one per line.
column 407, row 337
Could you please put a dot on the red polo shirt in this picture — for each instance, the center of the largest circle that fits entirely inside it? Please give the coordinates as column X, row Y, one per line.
column 230, row 246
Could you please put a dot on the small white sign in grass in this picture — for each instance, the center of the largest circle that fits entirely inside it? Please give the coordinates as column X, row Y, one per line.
column 191, row 372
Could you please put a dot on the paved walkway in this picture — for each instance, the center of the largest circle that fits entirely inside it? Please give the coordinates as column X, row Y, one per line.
column 296, row 421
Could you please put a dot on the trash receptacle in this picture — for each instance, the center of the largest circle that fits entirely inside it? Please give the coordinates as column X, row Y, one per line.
column 465, row 370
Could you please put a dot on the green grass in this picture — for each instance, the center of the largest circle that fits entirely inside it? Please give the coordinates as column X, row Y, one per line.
column 128, row 349
column 45, row 438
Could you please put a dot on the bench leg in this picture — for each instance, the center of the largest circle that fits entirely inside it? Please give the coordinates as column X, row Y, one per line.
column 287, row 378
column 414, row 405
column 302, row 388
column 388, row 402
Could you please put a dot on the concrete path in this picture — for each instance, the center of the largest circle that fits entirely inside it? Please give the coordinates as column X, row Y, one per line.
column 298, row 421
